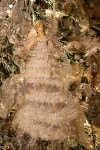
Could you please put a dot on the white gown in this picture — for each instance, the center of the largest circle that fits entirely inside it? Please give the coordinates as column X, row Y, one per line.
column 48, row 108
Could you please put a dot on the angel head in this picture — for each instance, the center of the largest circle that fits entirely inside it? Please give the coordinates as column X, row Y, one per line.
column 39, row 26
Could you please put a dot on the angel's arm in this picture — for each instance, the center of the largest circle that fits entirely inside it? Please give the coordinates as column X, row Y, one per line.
column 31, row 41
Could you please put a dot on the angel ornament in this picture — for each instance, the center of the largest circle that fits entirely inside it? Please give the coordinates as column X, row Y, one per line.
column 46, row 106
